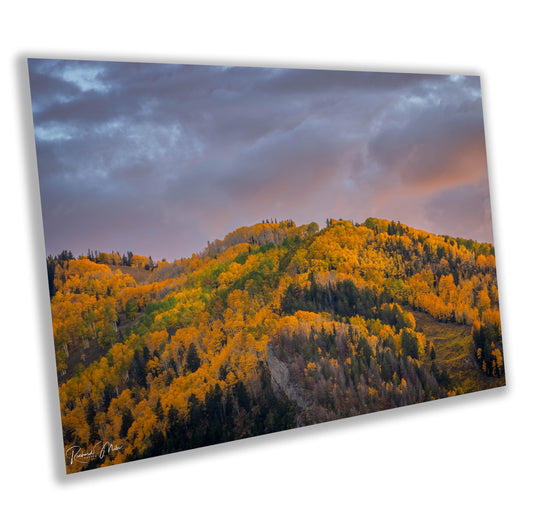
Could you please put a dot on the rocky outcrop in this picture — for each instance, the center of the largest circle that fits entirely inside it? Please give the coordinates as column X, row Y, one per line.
column 280, row 380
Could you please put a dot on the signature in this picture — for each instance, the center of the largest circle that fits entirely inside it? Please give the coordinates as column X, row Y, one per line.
column 98, row 451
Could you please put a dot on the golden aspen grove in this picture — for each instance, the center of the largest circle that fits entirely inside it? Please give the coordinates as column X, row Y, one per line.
column 274, row 327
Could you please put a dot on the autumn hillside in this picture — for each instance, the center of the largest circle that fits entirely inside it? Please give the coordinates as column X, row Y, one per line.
column 272, row 327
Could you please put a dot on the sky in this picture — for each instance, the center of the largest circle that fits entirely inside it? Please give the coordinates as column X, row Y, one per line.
column 160, row 158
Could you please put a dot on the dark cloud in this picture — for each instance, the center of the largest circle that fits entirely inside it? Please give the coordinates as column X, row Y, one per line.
column 442, row 146
column 160, row 158
column 461, row 211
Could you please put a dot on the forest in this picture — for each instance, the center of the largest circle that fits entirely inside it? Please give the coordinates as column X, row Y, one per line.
column 273, row 327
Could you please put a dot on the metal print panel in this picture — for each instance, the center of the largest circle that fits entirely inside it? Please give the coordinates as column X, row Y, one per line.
column 234, row 251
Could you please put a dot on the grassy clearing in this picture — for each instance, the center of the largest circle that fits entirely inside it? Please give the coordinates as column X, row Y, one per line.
column 453, row 349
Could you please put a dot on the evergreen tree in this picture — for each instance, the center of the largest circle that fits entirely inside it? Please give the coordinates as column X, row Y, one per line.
column 127, row 420
column 193, row 360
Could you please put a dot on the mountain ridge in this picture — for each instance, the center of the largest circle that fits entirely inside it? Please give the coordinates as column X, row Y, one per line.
column 272, row 327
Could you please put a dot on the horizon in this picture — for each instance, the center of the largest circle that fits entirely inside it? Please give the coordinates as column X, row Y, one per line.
column 161, row 158
column 157, row 259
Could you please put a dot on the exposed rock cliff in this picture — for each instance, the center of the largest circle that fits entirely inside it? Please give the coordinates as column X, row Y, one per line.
column 280, row 379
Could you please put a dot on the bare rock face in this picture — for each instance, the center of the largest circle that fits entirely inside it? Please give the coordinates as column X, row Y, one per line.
column 280, row 379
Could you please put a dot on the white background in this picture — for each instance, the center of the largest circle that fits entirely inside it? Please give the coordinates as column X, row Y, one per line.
column 469, row 455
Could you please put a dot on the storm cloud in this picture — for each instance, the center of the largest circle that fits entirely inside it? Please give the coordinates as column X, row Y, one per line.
column 160, row 158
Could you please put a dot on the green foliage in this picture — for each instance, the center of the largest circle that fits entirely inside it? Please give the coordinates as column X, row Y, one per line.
column 131, row 309
column 312, row 228
column 487, row 343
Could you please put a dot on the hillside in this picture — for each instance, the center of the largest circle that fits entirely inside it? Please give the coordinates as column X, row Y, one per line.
column 274, row 326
